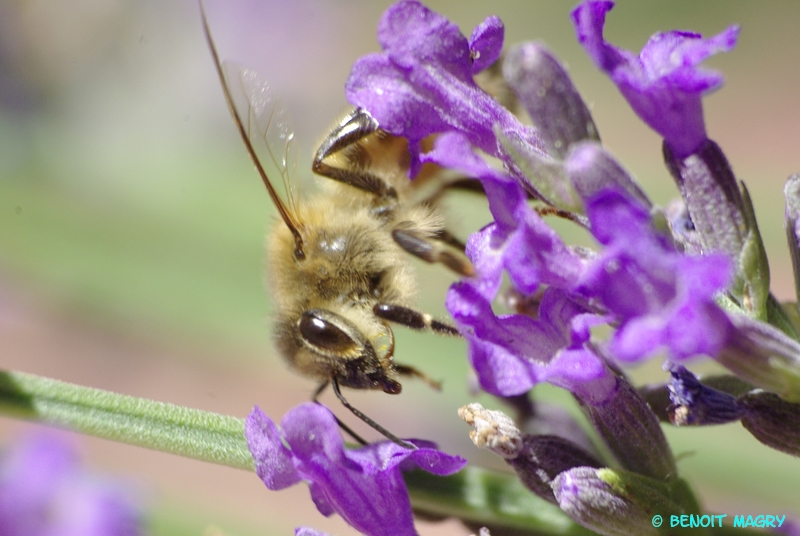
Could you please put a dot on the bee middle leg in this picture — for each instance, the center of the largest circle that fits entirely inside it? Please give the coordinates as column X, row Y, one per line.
column 441, row 249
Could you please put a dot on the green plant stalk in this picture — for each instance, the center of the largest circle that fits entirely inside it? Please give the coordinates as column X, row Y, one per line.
column 193, row 433
column 476, row 495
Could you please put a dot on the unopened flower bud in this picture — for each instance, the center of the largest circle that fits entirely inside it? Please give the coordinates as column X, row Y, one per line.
column 695, row 404
column 772, row 420
column 546, row 91
column 762, row 356
column 618, row 503
column 723, row 216
column 791, row 193
column 542, row 458
column 590, row 168
column 711, row 193
column 632, row 432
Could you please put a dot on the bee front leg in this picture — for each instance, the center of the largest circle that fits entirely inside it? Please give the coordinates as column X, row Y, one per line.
column 407, row 370
column 412, row 319
column 349, row 431
column 354, row 128
column 358, row 413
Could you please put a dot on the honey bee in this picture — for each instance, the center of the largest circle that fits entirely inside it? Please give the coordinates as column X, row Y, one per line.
column 338, row 264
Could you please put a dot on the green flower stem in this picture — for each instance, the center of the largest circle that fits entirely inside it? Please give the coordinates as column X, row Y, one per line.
column 482, row 497
column 193, row 433
column 478, row 496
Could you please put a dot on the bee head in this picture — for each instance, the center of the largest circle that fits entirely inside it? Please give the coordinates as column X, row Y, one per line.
column 332, row 346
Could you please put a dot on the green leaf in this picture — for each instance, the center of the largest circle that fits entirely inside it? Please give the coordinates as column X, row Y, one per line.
column 193, row 433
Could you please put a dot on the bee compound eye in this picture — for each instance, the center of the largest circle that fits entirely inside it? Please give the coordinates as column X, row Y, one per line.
column 323, row 333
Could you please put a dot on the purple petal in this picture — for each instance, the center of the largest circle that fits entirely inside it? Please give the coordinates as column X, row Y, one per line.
column 512, row 353
column 422, row 83
column 661, row 297
column 273, row 460
column 365, row 486
column 527, row 247
column 664, row 84
column 486, row 43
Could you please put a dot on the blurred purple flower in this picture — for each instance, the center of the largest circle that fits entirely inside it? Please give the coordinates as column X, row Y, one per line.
column 661, row 297
column 664, row 83
column 422, row 83
column 308, row 531
column 44, row 492
column 365, row 486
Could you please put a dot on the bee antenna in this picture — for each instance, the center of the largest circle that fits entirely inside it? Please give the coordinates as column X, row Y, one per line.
column 380, row 429
column 285, row 215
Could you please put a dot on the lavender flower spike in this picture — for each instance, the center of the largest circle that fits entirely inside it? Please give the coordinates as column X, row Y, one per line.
column 664, row 83
column 365, row 486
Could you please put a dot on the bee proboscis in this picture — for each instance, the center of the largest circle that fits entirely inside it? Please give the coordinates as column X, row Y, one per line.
column 338, row 263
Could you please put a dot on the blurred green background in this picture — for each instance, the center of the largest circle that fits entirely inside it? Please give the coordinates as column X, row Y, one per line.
column 132, row 223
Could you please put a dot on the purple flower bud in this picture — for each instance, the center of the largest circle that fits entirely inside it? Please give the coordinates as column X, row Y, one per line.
column 712, row 197
column 772, row 420
column 590, row 169
column 695, row 404
column 632, row 432
column 548, row 95
column 664, row 83
column 542, row 458
column 365, row 486
column 44, row 491
column 618, row 503
column 537, row 459
column 791, row 193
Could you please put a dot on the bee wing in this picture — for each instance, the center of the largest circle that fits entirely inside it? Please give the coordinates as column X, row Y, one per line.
column 261, row 123
column 266, row 124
